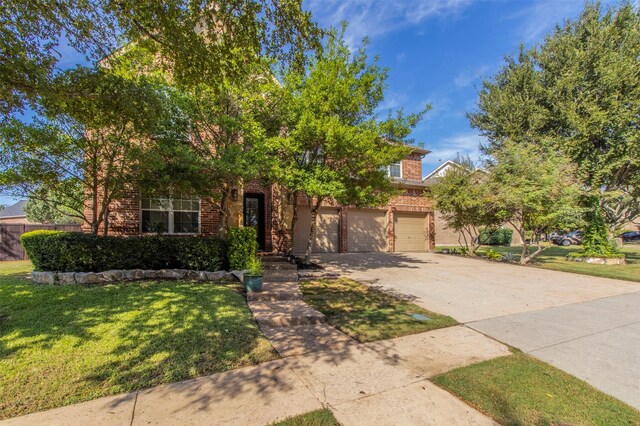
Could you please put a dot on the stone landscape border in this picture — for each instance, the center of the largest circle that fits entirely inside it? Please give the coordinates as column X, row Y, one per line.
column 114, row 275
column 600, row 260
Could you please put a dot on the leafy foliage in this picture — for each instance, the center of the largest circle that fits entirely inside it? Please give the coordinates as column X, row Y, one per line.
column 82, row 150
column 496, row 237
column 185, row 34
column 243, row 245
column 255, row 267
column 334, row 146
column 596, row 241
column 578, row 93
column 43, row 208
column 491, row 254
column 462, row 198
column 77, row 252
column 533, row 190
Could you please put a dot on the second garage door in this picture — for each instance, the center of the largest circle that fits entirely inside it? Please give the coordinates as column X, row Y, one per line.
column 327, row 231
column 411, row 232
column 367, row 230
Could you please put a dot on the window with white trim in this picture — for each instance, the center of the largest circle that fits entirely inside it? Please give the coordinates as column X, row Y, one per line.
column 395, row 170
column 171, row 215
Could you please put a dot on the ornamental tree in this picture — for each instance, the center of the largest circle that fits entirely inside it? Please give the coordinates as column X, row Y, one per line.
column 91, row 135
column 534, row 190
column 334, row 147
column 462, row 197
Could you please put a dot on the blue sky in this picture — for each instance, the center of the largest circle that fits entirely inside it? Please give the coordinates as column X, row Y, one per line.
column 437, row 52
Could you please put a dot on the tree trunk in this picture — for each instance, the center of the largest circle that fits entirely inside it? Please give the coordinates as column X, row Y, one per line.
column 312, row 231
column 223, row 222
column 294, row 219
column 105, row 222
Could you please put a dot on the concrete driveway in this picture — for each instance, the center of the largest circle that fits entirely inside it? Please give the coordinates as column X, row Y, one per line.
column 587, row 326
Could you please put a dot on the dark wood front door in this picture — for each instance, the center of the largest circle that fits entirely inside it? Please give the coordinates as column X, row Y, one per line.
column 254, row 215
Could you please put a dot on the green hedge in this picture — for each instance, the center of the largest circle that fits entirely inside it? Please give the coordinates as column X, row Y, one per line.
column 243, row 245
column 496, row 237
column 77, row 252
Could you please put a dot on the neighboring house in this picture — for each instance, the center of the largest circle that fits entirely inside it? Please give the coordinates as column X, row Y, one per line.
column 444, row 236
column 14, row 213
column 405, row 224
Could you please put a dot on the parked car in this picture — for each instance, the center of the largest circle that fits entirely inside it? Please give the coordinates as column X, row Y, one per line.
column 631, row 236
column 574, row 238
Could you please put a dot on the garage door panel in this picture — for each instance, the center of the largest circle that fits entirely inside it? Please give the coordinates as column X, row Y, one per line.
column 367, row 230
column 411, row 232
column 327, row 231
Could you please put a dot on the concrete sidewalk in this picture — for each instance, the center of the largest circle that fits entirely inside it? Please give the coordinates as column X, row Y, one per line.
column 597, row 341
column 381, row 383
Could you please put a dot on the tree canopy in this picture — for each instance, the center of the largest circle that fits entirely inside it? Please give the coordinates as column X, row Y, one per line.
column 462, row 197
column 199, row 41
column 579, row 93
column 334, row 146
column 534, row 189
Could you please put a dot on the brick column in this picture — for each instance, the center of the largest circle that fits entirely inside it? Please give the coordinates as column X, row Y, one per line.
column 344, row 246
column 391, row 230
column 432, row 231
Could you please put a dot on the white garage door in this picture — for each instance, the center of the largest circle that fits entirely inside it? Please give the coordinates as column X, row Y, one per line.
column 411, row 232
column 327, row 231
column 367, row 230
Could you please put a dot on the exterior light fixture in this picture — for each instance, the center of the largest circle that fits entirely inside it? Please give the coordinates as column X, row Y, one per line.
column 234, row 194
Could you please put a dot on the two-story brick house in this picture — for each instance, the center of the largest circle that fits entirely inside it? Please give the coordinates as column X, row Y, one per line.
column 405, row 224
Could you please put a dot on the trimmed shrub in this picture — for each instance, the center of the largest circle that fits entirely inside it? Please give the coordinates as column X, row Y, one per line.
column 243, row 245
column 77, row 252
column 496, row 237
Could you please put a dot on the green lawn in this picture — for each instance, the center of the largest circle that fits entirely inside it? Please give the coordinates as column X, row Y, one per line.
column 555, row 258
column 365, row 313
column 314, row 418
column 520, row 390
column 61, row 345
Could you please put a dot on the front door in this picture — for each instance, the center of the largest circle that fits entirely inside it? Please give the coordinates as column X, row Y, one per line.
column 254, row 215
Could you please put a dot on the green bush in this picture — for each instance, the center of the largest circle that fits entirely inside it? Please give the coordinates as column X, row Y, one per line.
column 494, row 255
column 78, row 252
column 496, row 237
column 243, row 245
column 596, row 241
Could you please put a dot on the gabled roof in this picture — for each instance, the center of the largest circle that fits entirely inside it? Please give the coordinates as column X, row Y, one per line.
column 15, row 210
column 442, row 167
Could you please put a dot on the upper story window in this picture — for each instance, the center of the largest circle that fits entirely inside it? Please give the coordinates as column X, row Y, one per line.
column 395, row 170
column 172, row 215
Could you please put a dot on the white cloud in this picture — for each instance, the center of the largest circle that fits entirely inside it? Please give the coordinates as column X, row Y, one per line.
column 449, row 148
column 542, row 16
column 464, row 79
column 377, row 17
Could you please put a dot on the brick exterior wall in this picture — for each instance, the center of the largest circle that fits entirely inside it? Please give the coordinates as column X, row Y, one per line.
column 412, row 167
column 125, row 215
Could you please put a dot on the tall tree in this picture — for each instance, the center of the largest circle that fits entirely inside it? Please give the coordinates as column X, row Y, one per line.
column 534, row 190
column 463, row 199
column 203, row 41
column 578, row 92
column 334, row 146
column 91, row 135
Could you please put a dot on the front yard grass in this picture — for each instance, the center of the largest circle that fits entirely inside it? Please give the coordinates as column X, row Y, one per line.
column 62, row 345
column 520, row 390
column 322, row 417
column 555, row 258
column 368, row 314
